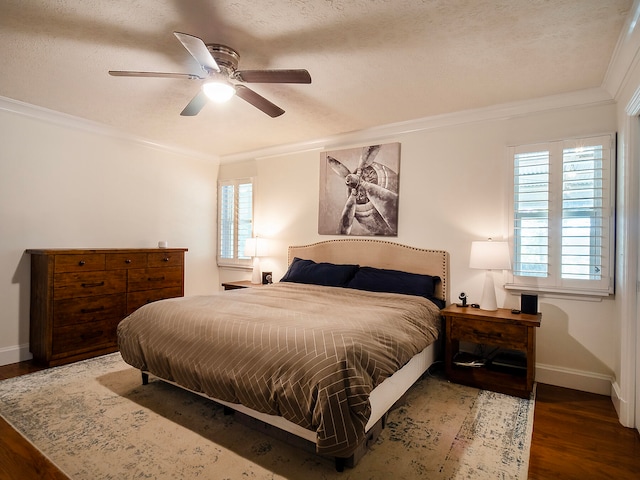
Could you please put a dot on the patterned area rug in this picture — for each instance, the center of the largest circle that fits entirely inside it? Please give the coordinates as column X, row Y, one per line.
column 95, row 420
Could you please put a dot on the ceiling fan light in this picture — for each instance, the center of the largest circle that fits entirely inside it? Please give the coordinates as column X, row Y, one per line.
column 217, row 91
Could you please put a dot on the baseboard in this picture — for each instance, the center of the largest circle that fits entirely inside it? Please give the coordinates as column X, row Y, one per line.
column 575, row 379
column 15, row 354
column 625, row 412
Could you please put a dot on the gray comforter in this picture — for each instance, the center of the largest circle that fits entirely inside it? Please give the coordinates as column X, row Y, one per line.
column 308, row 353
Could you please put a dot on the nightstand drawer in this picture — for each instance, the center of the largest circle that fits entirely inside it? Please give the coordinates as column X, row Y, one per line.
column 493, row 333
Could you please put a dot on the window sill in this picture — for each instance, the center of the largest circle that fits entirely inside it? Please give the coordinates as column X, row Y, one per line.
column 235, row 267
column 566, row 293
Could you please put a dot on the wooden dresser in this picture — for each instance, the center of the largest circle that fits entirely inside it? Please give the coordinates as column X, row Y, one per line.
column 78, row 297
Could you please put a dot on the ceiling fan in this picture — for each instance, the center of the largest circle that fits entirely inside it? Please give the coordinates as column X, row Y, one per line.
column 219, row 65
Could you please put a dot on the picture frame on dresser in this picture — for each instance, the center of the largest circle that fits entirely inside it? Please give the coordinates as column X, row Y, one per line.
column 78, row 296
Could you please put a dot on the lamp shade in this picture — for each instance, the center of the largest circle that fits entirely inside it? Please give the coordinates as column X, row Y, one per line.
column 488, row 255
column 255, row 247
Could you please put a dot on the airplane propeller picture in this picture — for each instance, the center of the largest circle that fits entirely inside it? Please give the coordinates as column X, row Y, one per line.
column 372, row 194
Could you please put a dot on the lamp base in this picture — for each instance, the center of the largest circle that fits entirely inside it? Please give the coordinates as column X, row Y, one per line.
column 255, row 275
column 488, row 301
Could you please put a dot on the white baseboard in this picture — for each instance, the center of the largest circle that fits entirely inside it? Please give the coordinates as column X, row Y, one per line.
column 625, row 412
column 576, row 379
column 15, row 354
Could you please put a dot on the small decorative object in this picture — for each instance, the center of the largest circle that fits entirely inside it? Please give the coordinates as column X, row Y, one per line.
column 489, row 256
column 267, row 278
column 255, row 247
column 163, row 244
column 529, row 304
column 463, row 299
column 359, row 191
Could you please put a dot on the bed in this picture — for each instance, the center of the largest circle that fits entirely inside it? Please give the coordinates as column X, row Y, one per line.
column 320, row 356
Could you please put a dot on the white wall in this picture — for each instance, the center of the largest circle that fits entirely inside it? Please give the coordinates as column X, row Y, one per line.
column 453, row 182
column 67, row 184
column 626, row 394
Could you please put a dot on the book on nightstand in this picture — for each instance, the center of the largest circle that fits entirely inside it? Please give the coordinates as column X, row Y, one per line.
column 466, row 359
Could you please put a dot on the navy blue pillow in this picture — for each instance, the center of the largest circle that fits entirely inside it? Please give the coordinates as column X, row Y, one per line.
column 394, row 281
column 327, row 274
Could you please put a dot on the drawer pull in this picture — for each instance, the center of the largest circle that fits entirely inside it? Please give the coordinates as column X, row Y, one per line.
column 81, row 263
column 128, row 260
column 92, row 310
column 89, row 285
column 155, row 279
column 92, row 335
column 165, row 259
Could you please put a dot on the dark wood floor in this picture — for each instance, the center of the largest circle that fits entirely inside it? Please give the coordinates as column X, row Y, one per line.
column 576, row 435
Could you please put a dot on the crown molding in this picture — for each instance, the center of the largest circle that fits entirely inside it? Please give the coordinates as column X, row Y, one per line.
column 581, row 98
column 626, row 54
column 76, row 123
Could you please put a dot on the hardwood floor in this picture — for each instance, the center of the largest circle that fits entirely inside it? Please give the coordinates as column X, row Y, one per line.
column 576, row 435
column 19, row 460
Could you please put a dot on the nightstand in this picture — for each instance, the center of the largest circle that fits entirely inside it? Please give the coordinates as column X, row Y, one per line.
column 241, row 284
column 505, row 332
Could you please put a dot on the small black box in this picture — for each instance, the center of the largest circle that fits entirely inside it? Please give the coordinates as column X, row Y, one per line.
column 529, row 304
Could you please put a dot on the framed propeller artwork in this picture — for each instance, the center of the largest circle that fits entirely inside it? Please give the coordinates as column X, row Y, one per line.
column 359, row 191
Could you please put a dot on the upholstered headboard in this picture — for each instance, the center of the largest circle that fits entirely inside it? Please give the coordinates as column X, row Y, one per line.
column 379, row 254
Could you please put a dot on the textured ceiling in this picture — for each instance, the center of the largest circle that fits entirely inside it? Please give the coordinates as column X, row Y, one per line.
column 373, row 62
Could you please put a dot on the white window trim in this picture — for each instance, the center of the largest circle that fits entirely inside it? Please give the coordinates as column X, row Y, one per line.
column 553, row 284
column 238, row 261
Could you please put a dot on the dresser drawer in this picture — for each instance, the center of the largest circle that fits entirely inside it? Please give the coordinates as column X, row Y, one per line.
column 69, row 285
column 79, row 262
column 152, row 278
column 71, row 311
column 136, row 300
column 165, row 259
column 490, row 333
column 116, row 261
column 86, row 336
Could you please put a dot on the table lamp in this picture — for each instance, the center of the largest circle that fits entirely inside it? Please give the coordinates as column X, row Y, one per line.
column 255, row 247
column 489, row 255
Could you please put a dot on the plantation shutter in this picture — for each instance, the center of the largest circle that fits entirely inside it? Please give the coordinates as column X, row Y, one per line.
column 585, row 213
column 563, row 216
column 531, row 205
column 235, row 221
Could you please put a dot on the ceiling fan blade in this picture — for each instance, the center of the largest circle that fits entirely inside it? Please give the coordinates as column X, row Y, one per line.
column 273, row 76
column 195, row 105
column 198, row 50
column 258, row 101
column 126, row 73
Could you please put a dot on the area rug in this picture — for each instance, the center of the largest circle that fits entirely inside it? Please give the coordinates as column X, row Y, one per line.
column 95, row 420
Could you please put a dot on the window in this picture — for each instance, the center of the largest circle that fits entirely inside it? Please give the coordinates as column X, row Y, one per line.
column 563, row 216
column 235, row 221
